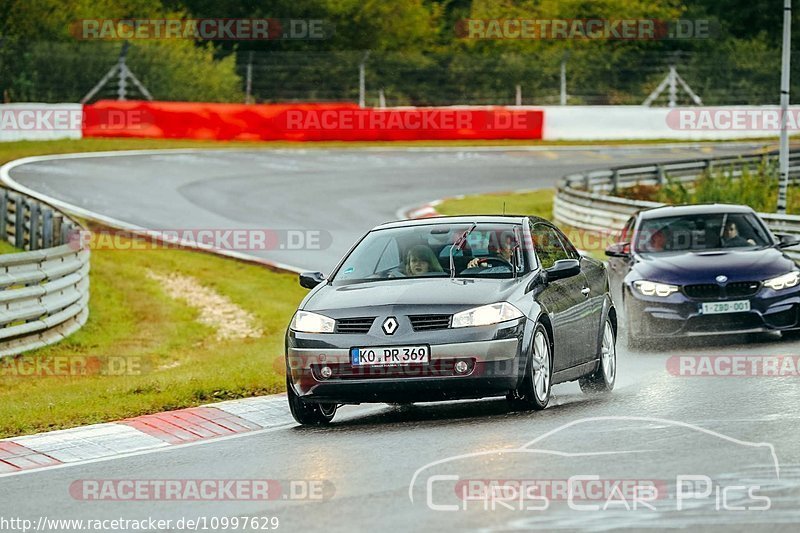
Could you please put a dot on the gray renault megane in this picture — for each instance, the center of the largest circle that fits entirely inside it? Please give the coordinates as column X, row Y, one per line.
column 451, row 308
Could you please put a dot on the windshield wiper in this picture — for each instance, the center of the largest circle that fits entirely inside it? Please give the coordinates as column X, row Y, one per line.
column 457, row 245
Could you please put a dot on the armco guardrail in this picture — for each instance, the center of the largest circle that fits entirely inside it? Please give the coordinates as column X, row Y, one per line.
column 586, row 200
column 44, row 290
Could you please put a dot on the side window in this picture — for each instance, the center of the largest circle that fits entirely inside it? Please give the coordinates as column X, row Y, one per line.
column 548, row 245
column 572, row 252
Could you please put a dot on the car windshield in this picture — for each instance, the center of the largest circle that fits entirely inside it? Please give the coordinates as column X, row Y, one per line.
column 423, row 251
column 701, row 232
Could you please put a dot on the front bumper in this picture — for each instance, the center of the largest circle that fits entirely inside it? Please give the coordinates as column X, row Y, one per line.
column 679, row 315
column 494, row 355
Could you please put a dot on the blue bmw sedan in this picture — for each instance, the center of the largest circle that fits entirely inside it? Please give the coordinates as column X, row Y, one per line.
column 702, row 270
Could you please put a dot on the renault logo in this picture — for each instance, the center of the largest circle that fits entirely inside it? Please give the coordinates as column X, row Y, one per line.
column 390, row 325
column 722, row 279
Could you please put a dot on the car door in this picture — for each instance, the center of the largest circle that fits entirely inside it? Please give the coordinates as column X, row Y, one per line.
column 590, row 308
column 562, row 299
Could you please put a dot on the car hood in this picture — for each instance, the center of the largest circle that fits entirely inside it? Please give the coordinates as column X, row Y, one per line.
column 704, row 267
column 426, row 292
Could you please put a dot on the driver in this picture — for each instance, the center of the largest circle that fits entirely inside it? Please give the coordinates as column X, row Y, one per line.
column 731, row 237
column 421, row 260
column 505, row 252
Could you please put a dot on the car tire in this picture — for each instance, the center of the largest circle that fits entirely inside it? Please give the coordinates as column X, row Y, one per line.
column 602, row 380
column 534, row 393
column 309, row 413
column 632, row 340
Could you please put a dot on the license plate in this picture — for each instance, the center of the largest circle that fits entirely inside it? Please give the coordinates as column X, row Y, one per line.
column 718, row 308
column 390, row 355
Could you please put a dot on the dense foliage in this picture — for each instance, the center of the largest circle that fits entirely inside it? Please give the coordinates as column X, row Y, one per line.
column 417, row 54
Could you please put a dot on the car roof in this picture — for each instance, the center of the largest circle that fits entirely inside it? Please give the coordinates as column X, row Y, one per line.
column 460, row 219
column 696, row 209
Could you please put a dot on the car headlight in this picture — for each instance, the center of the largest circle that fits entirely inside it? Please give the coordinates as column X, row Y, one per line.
column 651, row 288
column 783, row 282
column 486, row 314
column 306, row 322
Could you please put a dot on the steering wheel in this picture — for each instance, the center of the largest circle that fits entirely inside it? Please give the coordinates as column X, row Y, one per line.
column 494, row 261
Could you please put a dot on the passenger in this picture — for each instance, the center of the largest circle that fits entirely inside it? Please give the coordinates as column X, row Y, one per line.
column 731, row 237
column 421, row 260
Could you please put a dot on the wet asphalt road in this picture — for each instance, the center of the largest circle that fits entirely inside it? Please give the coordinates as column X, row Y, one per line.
column 377, row 460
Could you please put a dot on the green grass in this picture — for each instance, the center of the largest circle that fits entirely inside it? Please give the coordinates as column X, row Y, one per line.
column 181, row 362
column 537, row 202
column 6, row 248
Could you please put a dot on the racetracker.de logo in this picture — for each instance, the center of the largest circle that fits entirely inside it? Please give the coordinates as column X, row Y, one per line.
column 48, row 118
column 732, row 119
column 584, row 29
column 201, row 489
column 207, row 29
column 734, row 366
column 408, row 119
column 245, row 240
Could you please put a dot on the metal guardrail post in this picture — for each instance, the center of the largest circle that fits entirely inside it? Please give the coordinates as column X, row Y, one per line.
column 47, row 228
column 587, row 182
column 3, row 214
column 34, row 225
column 660, row 174
column 58, row 221
column 614, row 180
column 19, row 223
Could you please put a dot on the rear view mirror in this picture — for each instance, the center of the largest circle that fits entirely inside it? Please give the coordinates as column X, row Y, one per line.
column 620, row 249
column 563, row 268
column 309, row 280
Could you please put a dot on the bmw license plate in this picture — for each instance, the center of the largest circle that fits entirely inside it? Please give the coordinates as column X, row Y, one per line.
column 718, row 308
column 390, row 355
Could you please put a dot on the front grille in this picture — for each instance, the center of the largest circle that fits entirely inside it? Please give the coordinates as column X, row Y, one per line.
column 712, row 291
column 429, row 322
column 742, row 288
column 354, row 325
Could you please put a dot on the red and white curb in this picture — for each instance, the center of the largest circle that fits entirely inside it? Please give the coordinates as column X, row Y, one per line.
column 141, row 433
column 422, row 211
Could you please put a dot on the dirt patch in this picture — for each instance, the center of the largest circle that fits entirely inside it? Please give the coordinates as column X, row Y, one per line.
column 216, row 310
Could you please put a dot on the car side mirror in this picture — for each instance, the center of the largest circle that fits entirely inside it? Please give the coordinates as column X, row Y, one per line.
column 309, row 280
column 620, row 249
column 563, row 268
column 786, row 241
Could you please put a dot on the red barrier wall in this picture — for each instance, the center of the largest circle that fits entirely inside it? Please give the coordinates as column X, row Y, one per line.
column 306, row 122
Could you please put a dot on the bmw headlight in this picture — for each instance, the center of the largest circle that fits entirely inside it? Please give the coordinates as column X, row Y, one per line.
column 783, row 282
column 486, row 315
column 652, row 288
column 306, row 322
